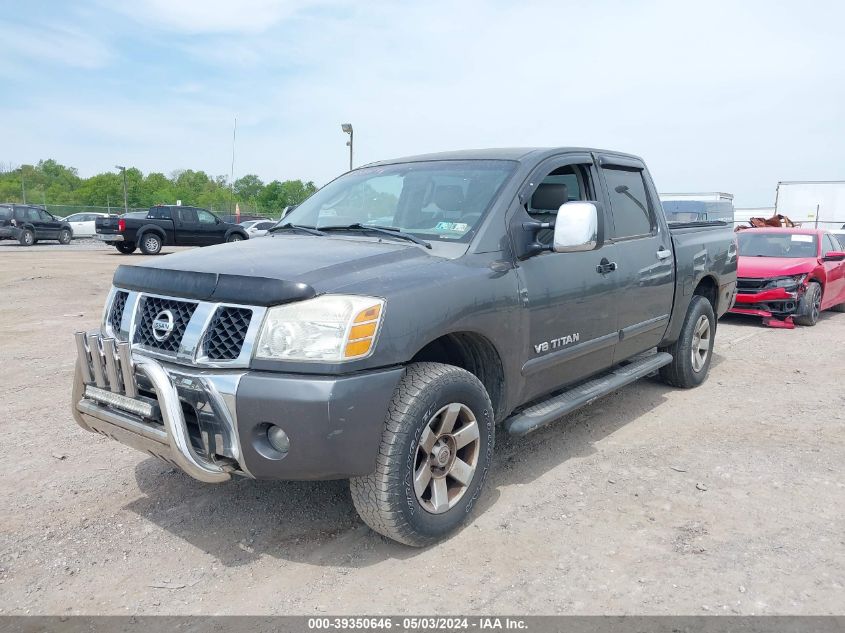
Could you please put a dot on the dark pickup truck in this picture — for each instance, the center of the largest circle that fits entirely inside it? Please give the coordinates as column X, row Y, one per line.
column 166, row 225
column 399, row 318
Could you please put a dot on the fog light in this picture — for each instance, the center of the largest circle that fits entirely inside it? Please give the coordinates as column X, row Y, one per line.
column 278, row 439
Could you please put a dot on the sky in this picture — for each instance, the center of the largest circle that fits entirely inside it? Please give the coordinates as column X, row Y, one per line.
column 715, row 96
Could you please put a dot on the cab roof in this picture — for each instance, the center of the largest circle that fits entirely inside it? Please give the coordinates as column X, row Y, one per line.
column 519, row 154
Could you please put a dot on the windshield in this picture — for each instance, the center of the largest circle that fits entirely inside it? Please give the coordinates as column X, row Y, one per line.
column 795, row 245
column 698, row 210
column 435, row 200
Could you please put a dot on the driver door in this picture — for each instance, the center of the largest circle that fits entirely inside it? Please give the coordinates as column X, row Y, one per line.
column 569, row 297
column 834, row 293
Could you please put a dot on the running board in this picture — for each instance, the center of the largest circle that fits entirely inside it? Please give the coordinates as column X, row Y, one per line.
column 542, row 413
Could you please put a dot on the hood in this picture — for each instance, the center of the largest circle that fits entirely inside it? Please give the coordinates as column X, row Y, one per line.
column 272, row 269
column 765, row 267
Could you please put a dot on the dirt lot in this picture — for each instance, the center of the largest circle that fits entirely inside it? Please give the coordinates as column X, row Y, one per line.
column 726, row 499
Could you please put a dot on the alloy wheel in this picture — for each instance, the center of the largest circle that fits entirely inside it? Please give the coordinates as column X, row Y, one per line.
column 446, row 458
column 700, row 348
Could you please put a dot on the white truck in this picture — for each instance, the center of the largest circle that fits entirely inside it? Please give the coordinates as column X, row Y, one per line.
column 815, row 204
column 698, row 207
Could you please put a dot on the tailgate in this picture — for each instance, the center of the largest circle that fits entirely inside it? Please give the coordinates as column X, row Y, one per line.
column 106, row 225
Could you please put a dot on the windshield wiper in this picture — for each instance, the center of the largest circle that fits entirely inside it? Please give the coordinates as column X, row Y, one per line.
column 382, row 230
column 299, row 227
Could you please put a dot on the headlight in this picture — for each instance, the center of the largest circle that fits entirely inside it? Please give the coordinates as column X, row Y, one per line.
column 327, row 328
column 786, row 282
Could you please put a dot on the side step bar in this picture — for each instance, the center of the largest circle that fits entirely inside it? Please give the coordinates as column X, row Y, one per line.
column 542, row 413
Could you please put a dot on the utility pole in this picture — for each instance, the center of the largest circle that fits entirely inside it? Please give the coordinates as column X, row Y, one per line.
column 347, row 128
column 125, row 200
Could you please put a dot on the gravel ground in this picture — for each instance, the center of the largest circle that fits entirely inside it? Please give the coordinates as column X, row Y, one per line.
column 725, row 499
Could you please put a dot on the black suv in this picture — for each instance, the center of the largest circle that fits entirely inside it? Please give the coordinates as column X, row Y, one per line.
column 28, row 224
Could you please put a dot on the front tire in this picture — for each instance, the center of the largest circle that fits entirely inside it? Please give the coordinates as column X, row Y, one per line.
column 235, row 237
column 26, row 238
column 151, row 244
column 65, row 236
column 693, row 351
column 435, row 454
column 810, row 306
column 127, row 248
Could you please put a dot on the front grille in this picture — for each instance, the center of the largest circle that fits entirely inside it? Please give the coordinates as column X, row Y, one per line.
column 151, row 307
column 225, row 336
column 750, row 285
column 117, row 307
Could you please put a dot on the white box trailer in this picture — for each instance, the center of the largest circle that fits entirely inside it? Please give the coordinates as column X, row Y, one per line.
column 698, row 207
column 812, row 203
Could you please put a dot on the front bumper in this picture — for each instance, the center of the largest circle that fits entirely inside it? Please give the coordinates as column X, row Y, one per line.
column 779, row 302
column 213, row 423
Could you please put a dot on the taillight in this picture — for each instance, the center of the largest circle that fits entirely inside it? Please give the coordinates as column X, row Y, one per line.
column 121, row 225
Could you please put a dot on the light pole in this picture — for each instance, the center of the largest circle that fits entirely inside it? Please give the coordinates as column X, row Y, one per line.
column 125, row 203
column 347, row 128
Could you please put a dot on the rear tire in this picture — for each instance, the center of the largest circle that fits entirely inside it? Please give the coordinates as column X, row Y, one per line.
column 26, row 238
column 150, row 244
column 693, row 351
column 65, row 236
column 126, row 248
column 434, row 456
column 810, row 306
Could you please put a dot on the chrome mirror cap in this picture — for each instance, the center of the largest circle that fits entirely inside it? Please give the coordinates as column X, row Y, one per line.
column 576, row 227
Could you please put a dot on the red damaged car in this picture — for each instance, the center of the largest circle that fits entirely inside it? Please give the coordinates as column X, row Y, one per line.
column 787, row 274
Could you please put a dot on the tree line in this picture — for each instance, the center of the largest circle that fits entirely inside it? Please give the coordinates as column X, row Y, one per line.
column 55, row 185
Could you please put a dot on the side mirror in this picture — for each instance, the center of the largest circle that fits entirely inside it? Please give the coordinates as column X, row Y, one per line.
column 834, row 256
column 576, row 227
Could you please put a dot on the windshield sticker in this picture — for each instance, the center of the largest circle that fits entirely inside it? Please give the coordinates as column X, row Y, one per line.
column 459, row 227
column 802, row 238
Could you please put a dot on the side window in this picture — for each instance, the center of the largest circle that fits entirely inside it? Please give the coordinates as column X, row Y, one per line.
column 45, row 217
column 33, row 215
column 560, row 186
column 829, row 244
column 188, row 216
column 205, row 217
column 633, row 214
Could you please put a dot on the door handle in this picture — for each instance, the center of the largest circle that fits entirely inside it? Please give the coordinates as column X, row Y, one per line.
column 605, row 266
column 663, row 253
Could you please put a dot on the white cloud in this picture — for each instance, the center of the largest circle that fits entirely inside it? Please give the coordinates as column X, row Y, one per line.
column 51, row 44
column 210, row 16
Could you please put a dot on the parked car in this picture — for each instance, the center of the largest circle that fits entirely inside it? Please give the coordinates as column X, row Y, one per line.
column 83, row 224
column 789, row 274
column 511, row 286
column 166, row 225
column 258, row 229
column 28, row 224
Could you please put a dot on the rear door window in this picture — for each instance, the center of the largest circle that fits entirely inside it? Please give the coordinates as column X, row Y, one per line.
column 188, row 216
column 5, row 213
column 633, row 213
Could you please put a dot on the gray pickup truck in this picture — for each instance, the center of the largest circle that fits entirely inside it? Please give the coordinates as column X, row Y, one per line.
column 393, row 323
